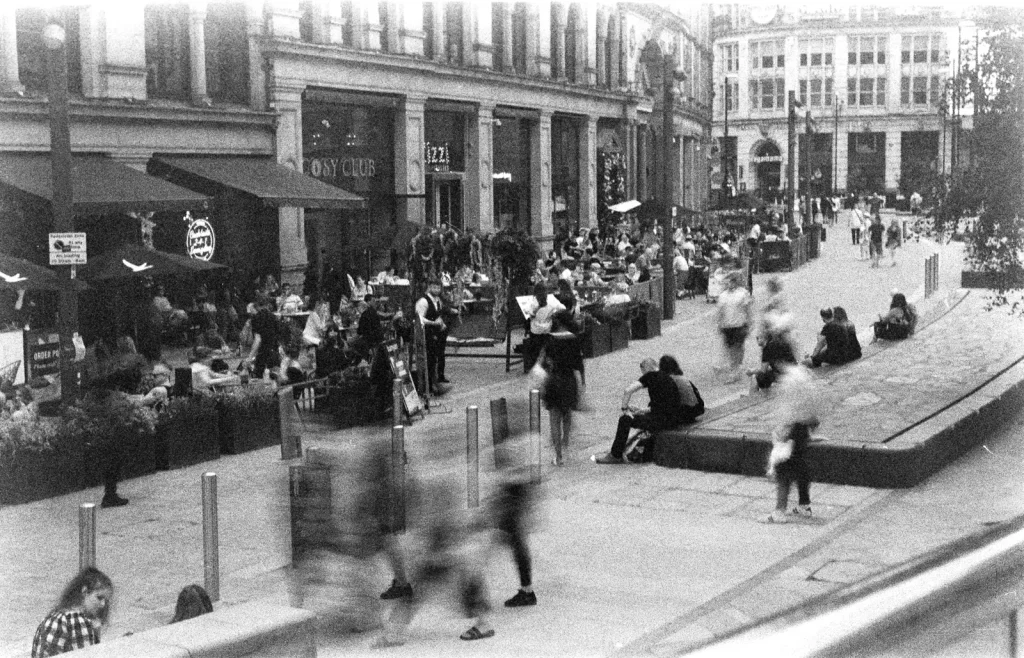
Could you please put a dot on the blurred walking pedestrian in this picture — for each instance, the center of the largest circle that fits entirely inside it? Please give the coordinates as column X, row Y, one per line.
column 875, row 234
column 734, row 319
column 893, row 239
column 787, row 462
column 560, row 359
column 511, row 509
column 76, row 620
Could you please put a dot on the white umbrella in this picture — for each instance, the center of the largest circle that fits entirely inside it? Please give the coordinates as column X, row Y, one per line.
column 625, row 206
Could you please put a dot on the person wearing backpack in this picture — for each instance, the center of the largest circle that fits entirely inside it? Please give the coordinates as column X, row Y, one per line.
column 665, row 410
column 691, row 403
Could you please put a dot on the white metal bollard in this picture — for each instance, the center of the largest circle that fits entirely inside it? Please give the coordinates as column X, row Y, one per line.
column 86, row 535
column 473, row 456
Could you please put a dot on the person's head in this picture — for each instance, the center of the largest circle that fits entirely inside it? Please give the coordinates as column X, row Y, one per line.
column 899, row 300
column 648, row 365
column 631, row 268
column 826, row 314
column 90, row 592
column 774, row 285
column 669, row 365
column 540, row 264
column 540, row 292
column 839, row 313
column 434, row 287
column 161, row 375
column 622, row 287
column 369, row 299
column 286, row 288
column 192, row 602
column 564, row 287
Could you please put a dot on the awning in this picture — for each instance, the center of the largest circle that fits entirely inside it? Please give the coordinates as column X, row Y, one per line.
column 275, row 184
column 99, row 184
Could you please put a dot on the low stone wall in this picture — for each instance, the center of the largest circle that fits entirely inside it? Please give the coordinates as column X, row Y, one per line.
column 248, row 630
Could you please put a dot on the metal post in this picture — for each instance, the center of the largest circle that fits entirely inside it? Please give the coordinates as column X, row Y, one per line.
column 499, row 432
column 211, row 543
column 472, row 456
column 668, row 297
column 535, row 433
column 791, row 161
column 396, row 401
column 398, row 461
column 86, row 535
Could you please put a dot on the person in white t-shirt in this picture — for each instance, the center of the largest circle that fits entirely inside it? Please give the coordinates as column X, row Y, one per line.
column 734, row 320
column 682, row 270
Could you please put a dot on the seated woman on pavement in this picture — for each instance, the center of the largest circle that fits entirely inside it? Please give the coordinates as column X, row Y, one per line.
column 691, row 403
column 832, row 346
column 899, row 323
column 777, row 350
column 852, row 343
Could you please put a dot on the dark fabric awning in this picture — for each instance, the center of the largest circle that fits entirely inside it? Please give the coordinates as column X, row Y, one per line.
column 99, row 184
column 275, row 184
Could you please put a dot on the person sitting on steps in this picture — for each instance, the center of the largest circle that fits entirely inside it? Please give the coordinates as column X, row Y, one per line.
column 899, row 323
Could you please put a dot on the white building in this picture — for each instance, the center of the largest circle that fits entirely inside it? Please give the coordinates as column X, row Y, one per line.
column 872, row 78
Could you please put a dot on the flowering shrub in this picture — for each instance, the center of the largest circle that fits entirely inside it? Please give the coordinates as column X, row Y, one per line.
column 35, row 435
column 108, row 416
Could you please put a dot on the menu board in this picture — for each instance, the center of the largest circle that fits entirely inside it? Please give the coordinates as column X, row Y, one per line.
column 410, row 398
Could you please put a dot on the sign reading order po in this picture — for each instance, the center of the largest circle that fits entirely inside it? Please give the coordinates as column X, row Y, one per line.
column 200, row 240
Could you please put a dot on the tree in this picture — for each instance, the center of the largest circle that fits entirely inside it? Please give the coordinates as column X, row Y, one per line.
column 991, row 185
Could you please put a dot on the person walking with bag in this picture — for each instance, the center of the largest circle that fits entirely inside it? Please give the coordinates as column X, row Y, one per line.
column 787, row 462
column 560, row 359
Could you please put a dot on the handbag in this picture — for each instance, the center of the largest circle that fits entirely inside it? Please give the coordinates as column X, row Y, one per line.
column 782, row 450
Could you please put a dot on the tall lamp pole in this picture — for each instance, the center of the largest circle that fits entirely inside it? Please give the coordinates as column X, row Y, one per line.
column 726, row 154
column 669, row 77
column 791, row 161
column 835, row 152
column 61, row 206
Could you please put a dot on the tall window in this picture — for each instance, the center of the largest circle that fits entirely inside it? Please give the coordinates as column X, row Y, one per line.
column 520, row 20
column 227, row 52
column 816, row 69
column 167, row 52
column 453, row 32
column 866, row 50
column 729, row 55
column 29, row 23
column 865, row 84
column 768, row 94
column 767, row 55
column 816, row 52
column 865, row 92
column 922, row 63
column 731, row 95
column 816, row 92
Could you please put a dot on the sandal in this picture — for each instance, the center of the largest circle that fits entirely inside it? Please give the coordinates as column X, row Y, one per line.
column 475, row 633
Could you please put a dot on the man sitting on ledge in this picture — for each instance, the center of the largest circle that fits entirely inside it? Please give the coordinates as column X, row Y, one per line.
column 665, row 409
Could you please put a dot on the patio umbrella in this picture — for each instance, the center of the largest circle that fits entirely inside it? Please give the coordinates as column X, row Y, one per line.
column 625, row 206
column 130, row 261
column 18, row 273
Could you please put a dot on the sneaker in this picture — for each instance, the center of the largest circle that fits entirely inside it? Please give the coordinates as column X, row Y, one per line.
column 521, row 599
column 397, row 591
column 113, row 501
column 774, row 517
column 802, row 510
column 607, row 458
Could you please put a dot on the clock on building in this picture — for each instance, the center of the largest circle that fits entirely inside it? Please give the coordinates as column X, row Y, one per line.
column 763, row 14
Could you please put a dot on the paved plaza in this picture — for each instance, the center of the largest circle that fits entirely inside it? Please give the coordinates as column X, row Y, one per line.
column 628, row 560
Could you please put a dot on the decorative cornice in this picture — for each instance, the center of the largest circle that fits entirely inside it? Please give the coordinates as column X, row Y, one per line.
column 139, row 111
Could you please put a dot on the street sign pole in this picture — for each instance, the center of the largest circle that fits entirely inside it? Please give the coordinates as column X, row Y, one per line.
column 61, row 204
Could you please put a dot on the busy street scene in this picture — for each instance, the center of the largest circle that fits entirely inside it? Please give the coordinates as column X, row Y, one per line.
column 344, row 328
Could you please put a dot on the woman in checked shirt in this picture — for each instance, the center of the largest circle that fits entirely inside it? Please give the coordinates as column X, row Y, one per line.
column 76, row 620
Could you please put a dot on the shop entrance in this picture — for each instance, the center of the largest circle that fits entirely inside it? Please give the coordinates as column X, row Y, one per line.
column 767, row 163
column 444, row 201
column 866, row 163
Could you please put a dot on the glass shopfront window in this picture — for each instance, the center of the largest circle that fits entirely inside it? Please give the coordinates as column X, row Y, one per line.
column 353, row 147
column 565, row 175
column 445, row 160
column 512, row 173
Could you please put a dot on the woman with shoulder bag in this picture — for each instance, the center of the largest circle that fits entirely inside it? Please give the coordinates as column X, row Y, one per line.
column 787, row 462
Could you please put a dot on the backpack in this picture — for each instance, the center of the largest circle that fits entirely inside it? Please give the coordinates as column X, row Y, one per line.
column 639, row 448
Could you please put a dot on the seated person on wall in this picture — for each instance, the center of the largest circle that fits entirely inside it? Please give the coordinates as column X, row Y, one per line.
column 899, row 323
column 777, row 350
column 288, row 302
column 665, row 410
column 691, row 403
column 833, row 343
column 853, row 351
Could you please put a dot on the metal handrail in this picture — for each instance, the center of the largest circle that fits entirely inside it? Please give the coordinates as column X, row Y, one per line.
column 915, row 608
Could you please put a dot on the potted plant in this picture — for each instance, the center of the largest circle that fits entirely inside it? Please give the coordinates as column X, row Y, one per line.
column 596, row 337
column 187, row 432
column 110, row 420
column 248, row 418
column 646, row 321
column 39, row 458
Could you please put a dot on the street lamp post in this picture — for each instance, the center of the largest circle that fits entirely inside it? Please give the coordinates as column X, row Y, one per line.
column 726, row 155
column 61, row 205
column 669, row 78
column 791, row 161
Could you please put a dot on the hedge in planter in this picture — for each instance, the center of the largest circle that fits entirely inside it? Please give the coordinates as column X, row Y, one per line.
column 249, row 418
column 646, row 323
column 39, row 458
column 110, row 423
column 187, row 432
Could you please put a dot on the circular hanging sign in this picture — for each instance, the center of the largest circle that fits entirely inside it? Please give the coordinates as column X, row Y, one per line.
column 200, row 240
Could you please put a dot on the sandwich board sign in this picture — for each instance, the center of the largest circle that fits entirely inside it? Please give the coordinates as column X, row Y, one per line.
column 410, row 398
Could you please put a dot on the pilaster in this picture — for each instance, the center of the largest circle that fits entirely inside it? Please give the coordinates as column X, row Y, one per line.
column 588, row 172
column 286, row 100
column 601, row 48
column 590, row 43
column 9, row 79
column 257, row 74
column 437, row 31
column 615, row 42
column 479, row 171
column 892, row 82
column 479, row 14
column 412, row 35
column 632, row 154
column 410, row 175
column 532, row 40
column 541, row 226
column 197, row 53
column 842, row 156
column 393, row 21
column 543, row 13
column 506, row 36
column 320, row 32
column 559, row 19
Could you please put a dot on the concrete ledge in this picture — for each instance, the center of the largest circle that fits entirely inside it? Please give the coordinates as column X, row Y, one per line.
column 905, row 460
column 256, row 629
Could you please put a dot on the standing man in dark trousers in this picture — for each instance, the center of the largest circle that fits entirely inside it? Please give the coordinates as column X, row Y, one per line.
column 264, row 354
column 665, row 410
column 429, row 308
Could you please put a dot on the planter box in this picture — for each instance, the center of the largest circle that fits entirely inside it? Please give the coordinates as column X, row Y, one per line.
column 618, row 336
column 251, row 427
column 37, row 475
column 970, row 279
column 597, row 341
column 188, row 438
column 647, row 323
column 353, row 404
column 138, row 458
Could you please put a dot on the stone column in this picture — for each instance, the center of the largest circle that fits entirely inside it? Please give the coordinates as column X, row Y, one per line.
column 478, row 15
column 541, row 226
column 437, row 31
column 10, row 81
column 842, row 155
column 632, row 154
column 410, row 175
column 479, row 170
column 615, row 42
column 506, row 37
column 257, row 74
column 543, row 16
column 588, row 172
column 589, row 33
column 286, row 100
column 412, row 34
column 532, row 40
column 601, row 53
column 197, row 53
column 559, row 18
